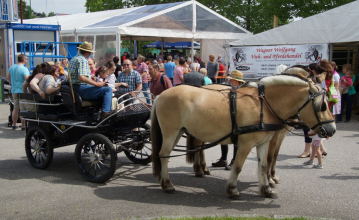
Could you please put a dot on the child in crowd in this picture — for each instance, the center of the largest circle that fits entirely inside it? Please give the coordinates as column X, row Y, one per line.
column 316, row 152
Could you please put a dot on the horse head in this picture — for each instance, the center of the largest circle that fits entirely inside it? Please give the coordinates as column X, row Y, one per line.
column 316, row 105
column 323, row 121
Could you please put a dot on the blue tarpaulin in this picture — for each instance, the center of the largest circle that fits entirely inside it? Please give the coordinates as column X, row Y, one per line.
column 174, row 45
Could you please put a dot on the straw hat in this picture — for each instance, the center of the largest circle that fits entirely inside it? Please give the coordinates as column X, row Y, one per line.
column 86, row 46
column 236, row 75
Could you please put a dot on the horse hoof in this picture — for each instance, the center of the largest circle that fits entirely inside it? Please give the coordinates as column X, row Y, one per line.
column 167, row 186
column 206, row 172
column 232, row 192
column 275, row 179
column 271, row 183
column 267, row 192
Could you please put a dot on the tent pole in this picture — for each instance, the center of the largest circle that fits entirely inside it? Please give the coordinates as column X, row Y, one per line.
column 162, row 45
column 118, row 45
column 194, row 23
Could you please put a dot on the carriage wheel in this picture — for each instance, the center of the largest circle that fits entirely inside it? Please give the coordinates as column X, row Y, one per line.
column 96, row 157
column 140, row 151
column 37, row 148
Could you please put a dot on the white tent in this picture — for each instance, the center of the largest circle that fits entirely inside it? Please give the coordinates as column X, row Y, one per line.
column 338, row 25
column 188, row 20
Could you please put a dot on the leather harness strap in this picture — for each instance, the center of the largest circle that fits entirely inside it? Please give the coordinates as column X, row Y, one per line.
column 261, row 126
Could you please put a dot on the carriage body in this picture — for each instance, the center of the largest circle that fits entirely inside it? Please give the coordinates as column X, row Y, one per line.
column 65, row 119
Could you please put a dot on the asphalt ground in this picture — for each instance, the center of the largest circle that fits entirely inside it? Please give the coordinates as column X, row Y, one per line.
column 60, row 192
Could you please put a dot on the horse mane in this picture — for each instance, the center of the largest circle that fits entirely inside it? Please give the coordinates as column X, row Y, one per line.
column 283, row 80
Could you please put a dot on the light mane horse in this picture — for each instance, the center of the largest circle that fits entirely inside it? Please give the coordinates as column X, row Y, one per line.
column 204, row 114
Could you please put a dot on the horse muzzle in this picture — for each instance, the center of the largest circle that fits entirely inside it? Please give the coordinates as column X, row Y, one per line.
column 327, row 130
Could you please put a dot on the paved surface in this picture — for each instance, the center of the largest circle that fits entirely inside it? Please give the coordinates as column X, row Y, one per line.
column 133, row 193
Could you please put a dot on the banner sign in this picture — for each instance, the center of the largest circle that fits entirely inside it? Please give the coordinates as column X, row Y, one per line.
column 260, row 61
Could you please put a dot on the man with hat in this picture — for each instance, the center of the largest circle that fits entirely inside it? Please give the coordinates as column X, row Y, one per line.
column 88, row 89
column 235, row 80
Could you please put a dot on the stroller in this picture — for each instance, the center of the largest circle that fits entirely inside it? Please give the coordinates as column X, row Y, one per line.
column 7, row 94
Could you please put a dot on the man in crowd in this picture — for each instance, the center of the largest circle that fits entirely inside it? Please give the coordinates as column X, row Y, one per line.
column 88, row 89
column 170, row 68
column 194, row 78
column 212, row 68
column 131, row 77
column 159, row 82
column 18, row 73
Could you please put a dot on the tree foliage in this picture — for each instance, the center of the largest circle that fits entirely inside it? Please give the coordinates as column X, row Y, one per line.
column 28, row 13
column 254, row 15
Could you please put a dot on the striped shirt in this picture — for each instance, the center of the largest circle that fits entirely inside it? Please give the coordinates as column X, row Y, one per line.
column 78, row 66
column 132, row 79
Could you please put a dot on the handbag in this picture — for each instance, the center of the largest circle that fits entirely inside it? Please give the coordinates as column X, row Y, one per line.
column 333, row 93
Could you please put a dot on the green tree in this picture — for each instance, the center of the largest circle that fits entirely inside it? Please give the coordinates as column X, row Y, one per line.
column 254, row 15
column 28, row 13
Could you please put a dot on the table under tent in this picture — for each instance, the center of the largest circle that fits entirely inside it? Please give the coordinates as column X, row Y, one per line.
column 171, row 22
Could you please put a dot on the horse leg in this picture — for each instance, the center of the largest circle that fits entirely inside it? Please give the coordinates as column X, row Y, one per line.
column 199, row 172
column 242, row 153
column 271, row 158
column 196, row 157
column 203, row 163
column 262, row 154
column 167, row 146
column 273, row 152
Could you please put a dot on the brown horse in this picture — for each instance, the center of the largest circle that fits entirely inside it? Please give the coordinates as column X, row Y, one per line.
column 204, row 114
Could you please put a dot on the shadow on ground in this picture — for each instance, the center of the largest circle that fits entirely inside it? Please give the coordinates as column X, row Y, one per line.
column 190, row 191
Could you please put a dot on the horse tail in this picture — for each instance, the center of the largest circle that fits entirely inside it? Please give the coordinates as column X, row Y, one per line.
column 156, row 139
column 190, row 145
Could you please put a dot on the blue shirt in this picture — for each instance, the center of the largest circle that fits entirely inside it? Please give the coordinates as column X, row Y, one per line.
column 18, row 73
column 169, row 69
column 78, row 66
column 132, row 79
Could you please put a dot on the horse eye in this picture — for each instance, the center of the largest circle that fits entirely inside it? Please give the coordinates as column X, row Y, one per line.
column 323, row 107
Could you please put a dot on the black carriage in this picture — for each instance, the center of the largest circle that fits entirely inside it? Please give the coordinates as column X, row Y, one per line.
column 66, row 119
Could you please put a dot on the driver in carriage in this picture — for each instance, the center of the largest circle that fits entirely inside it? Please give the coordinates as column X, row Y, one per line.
column 88, row 89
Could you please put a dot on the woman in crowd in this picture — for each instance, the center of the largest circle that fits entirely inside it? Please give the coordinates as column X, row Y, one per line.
column 348, row 92
column 179, row 71
column 317, row 74
column 50, row 84
column 32, row 83
column 142, row 68
column 207, row 80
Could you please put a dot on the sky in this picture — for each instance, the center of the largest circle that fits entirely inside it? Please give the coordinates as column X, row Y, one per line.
column 58, row 6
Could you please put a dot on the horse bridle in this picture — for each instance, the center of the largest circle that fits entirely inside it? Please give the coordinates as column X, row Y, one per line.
column 311, row 98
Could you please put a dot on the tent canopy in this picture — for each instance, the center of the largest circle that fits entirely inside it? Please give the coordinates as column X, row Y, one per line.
column 174, row 45
column 338, row 25
column 179, row 20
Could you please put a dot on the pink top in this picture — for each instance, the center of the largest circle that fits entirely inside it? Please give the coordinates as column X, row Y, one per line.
column 346, row 81
column 142, row 67
column 178, row 75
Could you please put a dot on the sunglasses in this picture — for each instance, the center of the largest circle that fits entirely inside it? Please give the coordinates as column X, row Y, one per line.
column 125, row 64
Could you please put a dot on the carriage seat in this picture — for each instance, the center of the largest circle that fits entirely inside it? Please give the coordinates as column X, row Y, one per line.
column 78, row 105
column 50, row 99
column 35, row 107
